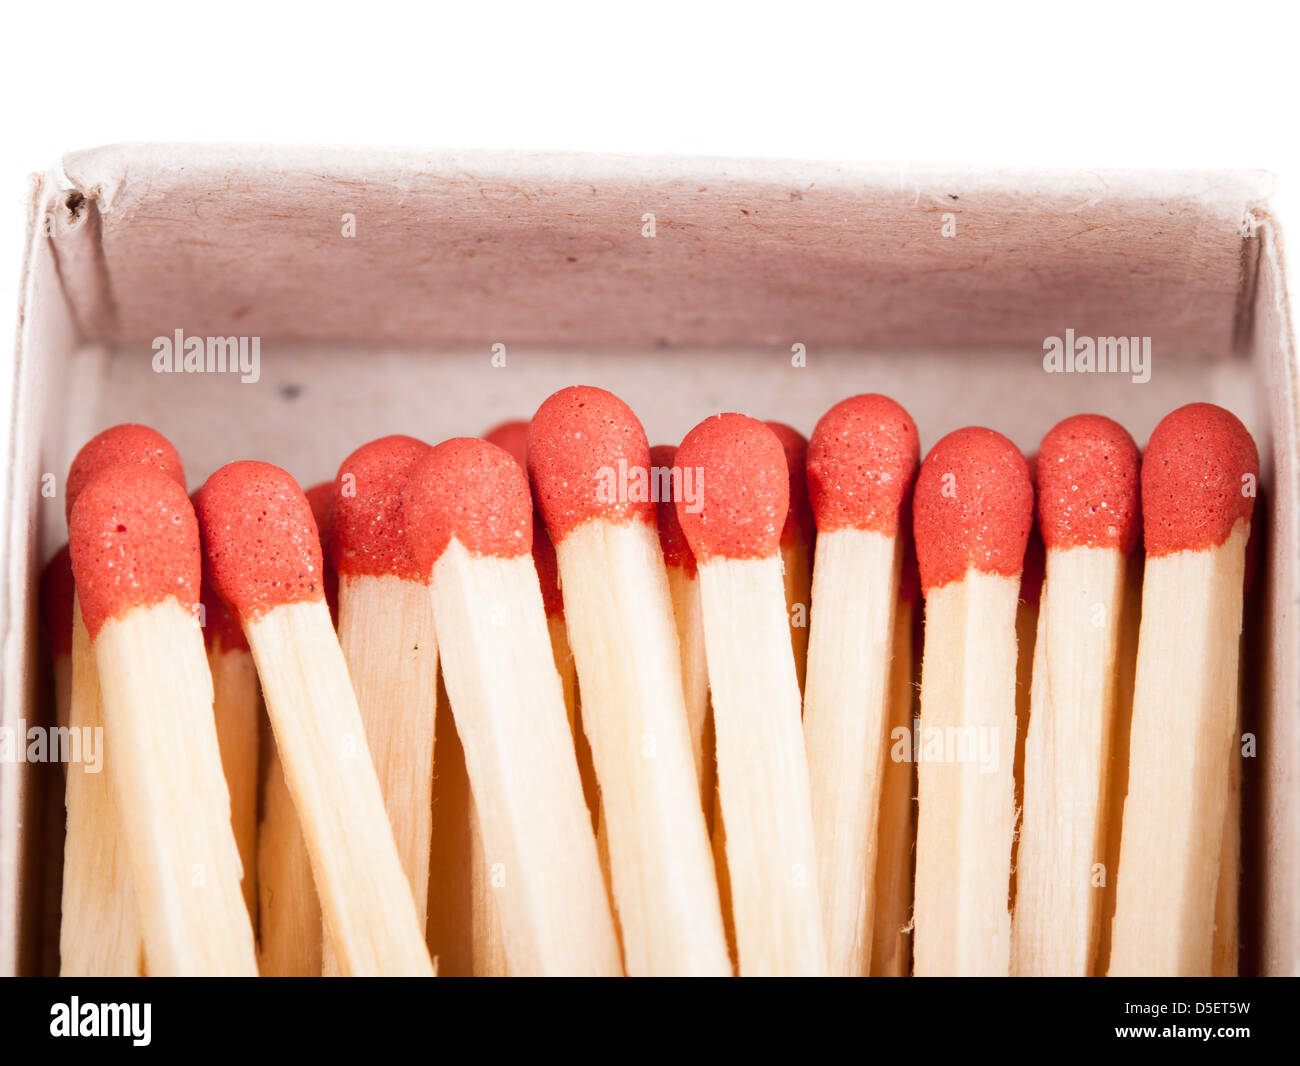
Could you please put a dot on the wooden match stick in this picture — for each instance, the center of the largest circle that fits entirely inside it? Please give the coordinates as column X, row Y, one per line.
column 1031, row 590
column 135, row 555
column 972, row 511
column 861, row 464
column 797, row 539
column 264, row 555
column 451, row 905
column 762, row 767
column 1198, row 484
column 1117, row 772
column 489, row 948
column 684, row 588
column 1088, row 512
column 1227, row 944
column 488, row 942
column 237, row 708
column 100, row 933
column 688, row 614
column 469, row 520
column 589, row 462
column 387, row 635
column 513, row 438
column 289, row 916
column 891, row 946
column 289, row 910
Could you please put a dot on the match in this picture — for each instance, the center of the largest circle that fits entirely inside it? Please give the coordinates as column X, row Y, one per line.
column 762, row 768
column 264, row 554
column 386, row 631
column 1088, row 512
column 1199, row 476
column 618, row 609
column 135, row 555
column 972, row 511
column 468, row 514
column 861, row 463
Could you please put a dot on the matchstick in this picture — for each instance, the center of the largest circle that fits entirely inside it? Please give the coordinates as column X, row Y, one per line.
column 289, row 916
column 861, row 464
column 489, row 947
column 1117, row 772
column 891, row 946
column 1198, row 483
column 797, row 539
column 237, row 708
column 762, row 767
column 619, row 614
column 513, row 438
column 321, row 498
column 100, row 933
column 488, row 942
column 386, row 631
column 264, row 555
column 684, row 588
column 1227, row 944
column 469, row 519
column 451, row 913
column 688, row 614
column 1031, row 590
column 135, row 554
column 289, row 913
column 1088, row 513
column 972, row 511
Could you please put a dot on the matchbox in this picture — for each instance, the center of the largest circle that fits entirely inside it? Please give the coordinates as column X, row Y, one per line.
column 288, row 304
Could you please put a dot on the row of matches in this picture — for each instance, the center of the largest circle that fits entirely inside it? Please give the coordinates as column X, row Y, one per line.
column 648, row 763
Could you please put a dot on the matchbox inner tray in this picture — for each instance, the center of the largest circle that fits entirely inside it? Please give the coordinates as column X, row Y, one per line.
column 437, row 293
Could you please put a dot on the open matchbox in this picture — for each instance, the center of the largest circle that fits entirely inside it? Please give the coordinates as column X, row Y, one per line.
column 436, row 293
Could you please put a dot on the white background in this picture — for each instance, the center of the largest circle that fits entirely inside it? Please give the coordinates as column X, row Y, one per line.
column 1089, row 84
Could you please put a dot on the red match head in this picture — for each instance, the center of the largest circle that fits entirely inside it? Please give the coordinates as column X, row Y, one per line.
column 1034, row 568
column 321, row 498
column 973, row 508
column 124, row 444
column 57, row 588
column 369, row 534
column 221, row 628
column 473, row 491
column 1199, row 478
column 259, row 538
column 512, row 437
column 861, row 464
column 798, row 515
column 677, row 552
column 744, row 488
column 1087, row 481
column 134, row 542
column 578, row 442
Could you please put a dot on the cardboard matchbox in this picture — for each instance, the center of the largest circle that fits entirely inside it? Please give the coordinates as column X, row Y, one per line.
column 436, row 293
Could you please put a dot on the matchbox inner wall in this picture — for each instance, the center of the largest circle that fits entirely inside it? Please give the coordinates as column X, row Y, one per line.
column 393, row 330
